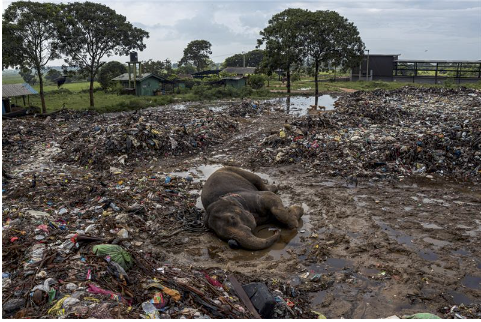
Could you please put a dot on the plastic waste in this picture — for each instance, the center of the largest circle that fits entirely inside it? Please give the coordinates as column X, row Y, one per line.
column 116, row 253
column 421, row 316
column 150, row 310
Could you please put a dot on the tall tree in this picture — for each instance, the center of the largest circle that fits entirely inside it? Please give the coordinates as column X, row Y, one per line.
column 110, row 70
column 252, row 58
column 197, row 53
column 30, row 37
column 91, row 31
column 283, row 40
column 331, row 38
column 28, row 76
column 159, row 67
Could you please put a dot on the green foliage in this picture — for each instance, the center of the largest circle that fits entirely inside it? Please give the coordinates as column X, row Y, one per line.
column 53, row 75
column 91, row 31
column 284, row 46
column 28, row 76
column 253, row 58
column 30, row 37
column 160, row 68
column 108, row 71
column 197, row 53
column 187, row 68
column 257, row 81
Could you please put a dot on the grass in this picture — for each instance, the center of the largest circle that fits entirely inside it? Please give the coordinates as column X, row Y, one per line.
column 75, row 95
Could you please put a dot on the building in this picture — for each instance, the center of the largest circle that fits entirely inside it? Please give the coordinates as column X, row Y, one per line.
column 390, row 68
column 240, row 71
column 380, row 66
column 236, row 82
column 206, row 73
column 10, row 91
column 145, row 84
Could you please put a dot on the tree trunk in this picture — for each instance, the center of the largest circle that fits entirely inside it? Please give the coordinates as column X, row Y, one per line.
column 42, row 95
column 316, row 79
column 91, row 91
column 288, row 79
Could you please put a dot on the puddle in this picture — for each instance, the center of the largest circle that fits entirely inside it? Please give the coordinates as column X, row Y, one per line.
column 301, row 105
column 473, row 282
column 462, row 252
column 460, row 298
column 284, row 247
column 330, row 265
column 428, row 255
column 436, row 242
column 397, row 235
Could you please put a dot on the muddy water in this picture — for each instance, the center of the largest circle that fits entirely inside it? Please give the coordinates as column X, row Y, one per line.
column 301, row 105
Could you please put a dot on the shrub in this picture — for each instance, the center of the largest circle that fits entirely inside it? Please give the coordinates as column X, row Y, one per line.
column 257, row 81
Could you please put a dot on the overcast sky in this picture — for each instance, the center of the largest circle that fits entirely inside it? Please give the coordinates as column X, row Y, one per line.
column 425, row 29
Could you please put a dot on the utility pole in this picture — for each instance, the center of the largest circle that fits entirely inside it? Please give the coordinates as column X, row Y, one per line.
column 243, row 59
column 367, row 66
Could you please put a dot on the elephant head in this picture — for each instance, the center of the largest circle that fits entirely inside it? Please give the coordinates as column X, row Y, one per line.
column 235, row 225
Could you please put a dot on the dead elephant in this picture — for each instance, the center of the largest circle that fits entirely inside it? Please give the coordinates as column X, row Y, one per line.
column 236, row 201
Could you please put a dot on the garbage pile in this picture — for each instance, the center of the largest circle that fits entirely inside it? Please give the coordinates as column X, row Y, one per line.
column 93, row 252
column 386, row 134
column 246, row 108
column 101, row 140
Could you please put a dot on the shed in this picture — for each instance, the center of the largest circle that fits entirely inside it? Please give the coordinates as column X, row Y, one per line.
column 236, row 81
column 146, row 84
column 15, row 90
column 381, row 67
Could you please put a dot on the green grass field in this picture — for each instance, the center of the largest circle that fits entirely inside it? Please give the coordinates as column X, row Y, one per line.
column 75, row 95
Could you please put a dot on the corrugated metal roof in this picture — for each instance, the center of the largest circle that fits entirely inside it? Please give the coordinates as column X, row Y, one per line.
column 125, row 77
column 437, row 61
column 239, row 70
column 12, row 90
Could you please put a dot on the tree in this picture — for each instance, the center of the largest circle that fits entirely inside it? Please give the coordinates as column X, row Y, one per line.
column 27, row 76
column 253, row 58
column 108, row 71
column 185, row 69
column 330, row 38
column 29, row 31
column 91, row 31
column 197, row 53
column 53, row 75
column 160, row 68
column 283, row 40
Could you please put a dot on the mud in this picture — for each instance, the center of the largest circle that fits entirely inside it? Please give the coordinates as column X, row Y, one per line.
column 372, row 249
column 381, row 248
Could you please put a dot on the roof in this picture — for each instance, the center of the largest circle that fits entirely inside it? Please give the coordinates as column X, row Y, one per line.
column 207, row 72
column 234, row 78
column 12, row 90
column 239, row 70
column 187, row 76
column 141, row 77
column 383, row 55
column 438, row 61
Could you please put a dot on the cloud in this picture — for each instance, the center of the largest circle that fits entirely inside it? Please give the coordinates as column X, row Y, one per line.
column 446, row 29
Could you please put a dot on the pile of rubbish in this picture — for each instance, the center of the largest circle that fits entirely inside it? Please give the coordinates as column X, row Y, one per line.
column 245, row 108
column 98, row 255
column 386, row 134
column 129, row 136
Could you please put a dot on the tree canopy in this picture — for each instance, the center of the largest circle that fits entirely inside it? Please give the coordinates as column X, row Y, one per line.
column 91, row 31
column 108, row 71
column 295, row 36
column 30, row 38
column 284, row 41
column 253, row 58
column 159, row 67
column 197, row 53
column 330, row 38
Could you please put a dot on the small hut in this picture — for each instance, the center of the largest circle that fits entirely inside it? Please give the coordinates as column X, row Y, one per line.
column 146, row 84
column 10, row 91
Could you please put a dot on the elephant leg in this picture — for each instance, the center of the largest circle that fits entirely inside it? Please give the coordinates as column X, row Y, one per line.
column 253, row 178
column 272, row 204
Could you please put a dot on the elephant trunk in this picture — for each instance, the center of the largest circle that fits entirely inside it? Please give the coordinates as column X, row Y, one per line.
column 249, row 241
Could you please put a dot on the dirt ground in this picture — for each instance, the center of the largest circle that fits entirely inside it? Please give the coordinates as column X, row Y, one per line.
column 367, row 248
column 384, row 248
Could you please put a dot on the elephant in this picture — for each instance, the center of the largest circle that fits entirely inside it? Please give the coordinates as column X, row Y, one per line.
column 237, row 201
